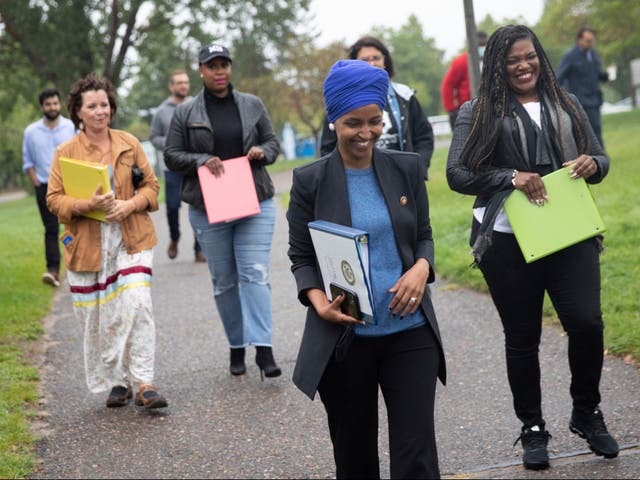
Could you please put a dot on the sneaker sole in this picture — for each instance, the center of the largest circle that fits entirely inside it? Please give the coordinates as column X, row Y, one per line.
column 594, row 450
column 157, row 403
column 536, row 466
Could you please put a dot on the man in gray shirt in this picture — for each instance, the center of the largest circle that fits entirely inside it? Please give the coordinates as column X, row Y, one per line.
column 179, row 88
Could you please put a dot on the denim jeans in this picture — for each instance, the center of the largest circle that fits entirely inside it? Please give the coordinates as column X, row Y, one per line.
column 237, row 253
column 172, row 187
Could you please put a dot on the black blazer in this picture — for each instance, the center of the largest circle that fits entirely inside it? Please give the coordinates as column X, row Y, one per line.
column 319, row 192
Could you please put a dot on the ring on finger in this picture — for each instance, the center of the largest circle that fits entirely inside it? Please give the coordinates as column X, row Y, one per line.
column 413, row 300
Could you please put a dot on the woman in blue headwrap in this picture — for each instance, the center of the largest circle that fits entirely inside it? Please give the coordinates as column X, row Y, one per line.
column 382, row 192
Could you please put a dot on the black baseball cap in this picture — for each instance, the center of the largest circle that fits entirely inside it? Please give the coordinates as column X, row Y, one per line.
column 211, row 51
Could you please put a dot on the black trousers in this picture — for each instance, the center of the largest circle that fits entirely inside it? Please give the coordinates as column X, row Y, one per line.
column 596, row 123
column 51, row 230
column 405, row 365
column 572, row 279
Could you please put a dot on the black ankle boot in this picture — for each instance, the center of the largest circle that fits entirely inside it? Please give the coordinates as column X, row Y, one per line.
column 237, row 366
column 266, row 363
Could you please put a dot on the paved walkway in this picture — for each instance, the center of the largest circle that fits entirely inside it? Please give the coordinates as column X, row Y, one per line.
column 227, row 427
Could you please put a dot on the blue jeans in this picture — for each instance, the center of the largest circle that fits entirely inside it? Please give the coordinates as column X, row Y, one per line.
column 172, row 187
column 238, row 253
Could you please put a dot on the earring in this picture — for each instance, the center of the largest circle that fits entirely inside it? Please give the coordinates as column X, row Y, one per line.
column 81, row 125
column 332, row 127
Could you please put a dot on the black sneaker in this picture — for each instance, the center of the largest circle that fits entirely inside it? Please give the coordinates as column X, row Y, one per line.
column 534, row 443
column 591, row 427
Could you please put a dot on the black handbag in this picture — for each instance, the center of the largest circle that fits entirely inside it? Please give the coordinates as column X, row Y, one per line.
column 136, row 177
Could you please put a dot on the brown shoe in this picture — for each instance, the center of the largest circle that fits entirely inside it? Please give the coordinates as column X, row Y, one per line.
column 119, row 396
column 172, row 251
column 148, row 397
column 200, row 257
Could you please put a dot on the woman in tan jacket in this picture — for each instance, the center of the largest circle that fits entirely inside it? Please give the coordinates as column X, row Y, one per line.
column 109, row 263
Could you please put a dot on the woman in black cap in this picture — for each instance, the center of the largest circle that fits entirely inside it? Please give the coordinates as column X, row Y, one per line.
column 221, row 123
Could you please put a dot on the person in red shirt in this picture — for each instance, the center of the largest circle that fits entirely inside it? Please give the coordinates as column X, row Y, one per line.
column 455, row 89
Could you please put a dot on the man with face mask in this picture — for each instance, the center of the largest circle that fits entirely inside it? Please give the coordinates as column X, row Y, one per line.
column 455, row 88
column 40, row 141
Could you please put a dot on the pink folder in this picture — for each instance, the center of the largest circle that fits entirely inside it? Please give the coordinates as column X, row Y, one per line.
column 232, row 195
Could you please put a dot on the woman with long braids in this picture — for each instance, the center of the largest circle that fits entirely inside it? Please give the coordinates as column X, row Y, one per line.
column 520, row 127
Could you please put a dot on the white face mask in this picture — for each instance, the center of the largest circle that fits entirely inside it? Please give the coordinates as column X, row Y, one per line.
column 481, row 51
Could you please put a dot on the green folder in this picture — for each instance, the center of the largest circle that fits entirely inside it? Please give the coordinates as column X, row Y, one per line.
column 569, row 216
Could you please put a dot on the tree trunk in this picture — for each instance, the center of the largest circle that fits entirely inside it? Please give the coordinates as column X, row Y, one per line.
column 472, row 47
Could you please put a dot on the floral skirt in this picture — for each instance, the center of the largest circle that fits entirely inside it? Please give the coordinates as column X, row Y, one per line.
column 115, row 306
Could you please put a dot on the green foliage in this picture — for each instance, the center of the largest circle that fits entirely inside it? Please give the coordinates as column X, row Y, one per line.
column 11, row 133
column 299, row 100
column 489, row 25
column 418, row 62
column 617, row 32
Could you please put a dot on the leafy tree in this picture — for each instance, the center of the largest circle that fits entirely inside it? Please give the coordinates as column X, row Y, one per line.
column 259, row 34
column 489, row 25
column 303, row 75
column 418, row 62
column 615, row 22
column 65, row 39
column 11, row 130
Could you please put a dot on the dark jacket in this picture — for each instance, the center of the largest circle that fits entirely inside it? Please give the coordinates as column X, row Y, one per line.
column 509, row 154
column 319, row 192
column 190, row 143
column 417, row 131
column 582, row 77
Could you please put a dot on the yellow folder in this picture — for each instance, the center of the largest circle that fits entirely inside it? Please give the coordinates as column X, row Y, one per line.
column 81, row 178
column 569, row 216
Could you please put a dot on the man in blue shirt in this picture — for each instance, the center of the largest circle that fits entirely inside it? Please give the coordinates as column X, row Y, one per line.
column 40, row 141
column 580, row 72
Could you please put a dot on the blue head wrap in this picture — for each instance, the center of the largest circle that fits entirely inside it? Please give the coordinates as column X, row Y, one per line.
column 353, row 84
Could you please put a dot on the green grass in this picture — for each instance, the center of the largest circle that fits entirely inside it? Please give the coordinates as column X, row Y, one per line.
column 24, row 300
column 282, row 165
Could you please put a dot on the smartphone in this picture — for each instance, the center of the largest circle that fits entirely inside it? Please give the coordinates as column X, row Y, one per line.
column 350, row 305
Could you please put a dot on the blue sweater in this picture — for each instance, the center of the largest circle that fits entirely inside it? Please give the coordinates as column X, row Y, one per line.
column 369, row 212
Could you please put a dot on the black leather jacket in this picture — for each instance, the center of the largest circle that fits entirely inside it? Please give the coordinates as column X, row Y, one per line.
column 190, row 143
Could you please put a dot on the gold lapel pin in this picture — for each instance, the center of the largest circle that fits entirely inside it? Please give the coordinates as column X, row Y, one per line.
column 403, row 200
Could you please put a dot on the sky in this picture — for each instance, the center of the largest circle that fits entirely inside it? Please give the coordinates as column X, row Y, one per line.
column 442, row 20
